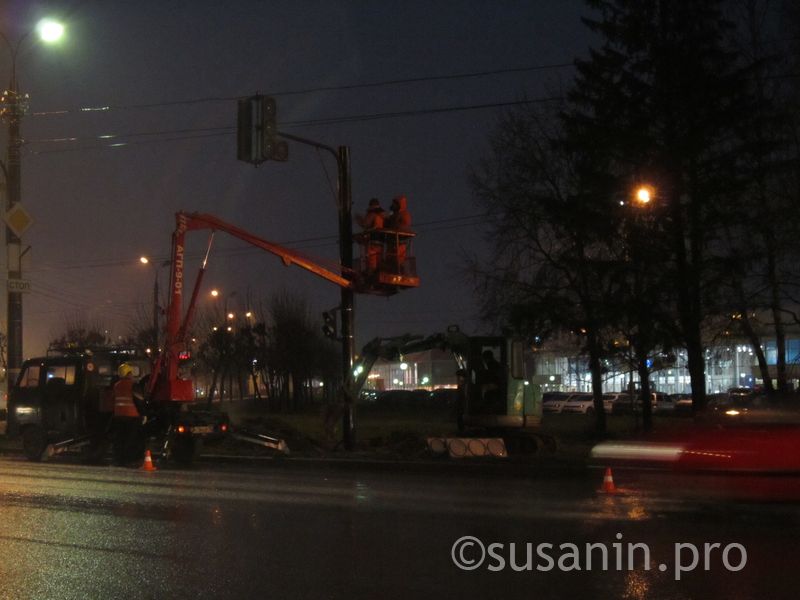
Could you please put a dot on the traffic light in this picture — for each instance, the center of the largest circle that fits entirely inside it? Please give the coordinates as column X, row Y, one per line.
column 273, row 148
column 329, row 324
column 257, row 132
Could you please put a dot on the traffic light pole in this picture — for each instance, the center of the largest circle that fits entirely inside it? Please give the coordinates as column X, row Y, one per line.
column 345, row 209
column 347, row 307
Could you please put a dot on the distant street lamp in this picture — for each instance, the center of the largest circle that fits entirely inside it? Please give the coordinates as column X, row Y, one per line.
column 215, row 293
column 644, row 194
column 146, row 261
column 13, row 108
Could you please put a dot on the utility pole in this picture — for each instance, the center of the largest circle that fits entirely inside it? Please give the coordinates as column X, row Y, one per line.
column 347, row 307
column 344, row 203
column 256, row 143
column 13, row 109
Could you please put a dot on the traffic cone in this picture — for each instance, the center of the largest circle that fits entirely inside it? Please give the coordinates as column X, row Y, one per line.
column 608, row 483
column 148, row 462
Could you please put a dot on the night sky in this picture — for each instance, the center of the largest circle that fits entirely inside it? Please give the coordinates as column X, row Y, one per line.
column 169, row 73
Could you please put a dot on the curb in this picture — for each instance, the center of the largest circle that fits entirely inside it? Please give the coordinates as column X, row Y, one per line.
column 499, row 468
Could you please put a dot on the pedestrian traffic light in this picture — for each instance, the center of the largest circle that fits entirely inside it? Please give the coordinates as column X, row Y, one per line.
column 257, row 132
column 329, row 324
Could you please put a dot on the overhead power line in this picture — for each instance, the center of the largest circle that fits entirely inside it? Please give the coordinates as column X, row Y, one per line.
column 204, row 132
column 312, row 90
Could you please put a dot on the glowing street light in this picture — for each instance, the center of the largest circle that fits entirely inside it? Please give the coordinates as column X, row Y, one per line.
column 644, row 194
column 49, row 30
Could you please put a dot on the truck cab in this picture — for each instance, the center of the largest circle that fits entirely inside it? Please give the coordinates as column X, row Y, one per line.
column 56, row 398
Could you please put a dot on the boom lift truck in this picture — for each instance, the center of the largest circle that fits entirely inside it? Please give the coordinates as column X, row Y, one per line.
column 56, row 403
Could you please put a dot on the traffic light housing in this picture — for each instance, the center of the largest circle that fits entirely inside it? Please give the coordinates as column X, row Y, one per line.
column 329, row 324
column 257, row 131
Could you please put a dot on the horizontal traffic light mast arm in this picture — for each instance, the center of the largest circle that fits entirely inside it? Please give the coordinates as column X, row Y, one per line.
column 306, row 141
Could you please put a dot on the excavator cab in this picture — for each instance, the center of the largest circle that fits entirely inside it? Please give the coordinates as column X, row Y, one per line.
column 386, row 262
column 495, row 389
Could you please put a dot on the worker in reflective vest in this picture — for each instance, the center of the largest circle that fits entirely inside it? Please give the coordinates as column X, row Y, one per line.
column 126, row 425
column 123, row 393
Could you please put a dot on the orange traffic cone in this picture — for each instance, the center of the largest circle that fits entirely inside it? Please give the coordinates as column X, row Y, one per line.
column 608, row 483
column 148, row 462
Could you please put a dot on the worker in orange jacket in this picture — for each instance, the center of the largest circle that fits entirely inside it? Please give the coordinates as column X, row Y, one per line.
column 124, row 406
column 372, row 223
column 128, row 438
column 399, row 220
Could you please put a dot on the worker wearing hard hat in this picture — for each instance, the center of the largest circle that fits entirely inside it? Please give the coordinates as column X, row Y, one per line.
column 126, row 424
column 372, row 223
column 124, row 405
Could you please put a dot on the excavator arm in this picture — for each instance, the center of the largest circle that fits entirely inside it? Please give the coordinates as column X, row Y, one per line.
column 393, row 349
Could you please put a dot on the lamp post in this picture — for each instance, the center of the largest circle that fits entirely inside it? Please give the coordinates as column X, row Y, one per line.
column 643, row 196
column 156, row 326
column 13, row 108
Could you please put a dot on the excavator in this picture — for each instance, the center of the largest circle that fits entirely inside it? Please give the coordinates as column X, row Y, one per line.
column 495, row 394
column 57, row 402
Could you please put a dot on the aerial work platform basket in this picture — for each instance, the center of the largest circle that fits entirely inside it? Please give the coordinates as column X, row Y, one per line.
column 386, row 262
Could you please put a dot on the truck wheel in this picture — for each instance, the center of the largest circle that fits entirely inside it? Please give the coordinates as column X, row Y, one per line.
column 128, row 444
column 96, row 451
column 34, row 443
column 183, row 450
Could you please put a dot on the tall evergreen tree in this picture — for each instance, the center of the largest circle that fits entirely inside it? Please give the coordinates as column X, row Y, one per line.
column 660, row 101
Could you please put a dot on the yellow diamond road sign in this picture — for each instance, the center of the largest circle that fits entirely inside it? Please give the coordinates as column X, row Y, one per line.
column 18, row 219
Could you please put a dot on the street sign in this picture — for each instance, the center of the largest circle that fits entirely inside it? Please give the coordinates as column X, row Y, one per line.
column 21, row 286
column 18, row 219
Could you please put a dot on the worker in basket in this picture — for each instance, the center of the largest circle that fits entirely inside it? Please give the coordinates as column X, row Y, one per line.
column 398, row 221
column 372, row 223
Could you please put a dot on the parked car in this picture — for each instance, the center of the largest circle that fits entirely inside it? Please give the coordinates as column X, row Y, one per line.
column 579, row 403
column 553, row 402
column 740, row 393
column 664, row 404
column 741, row 404
column 625, row 404
column 612, row 398
column 716, row 399
column 683, row 404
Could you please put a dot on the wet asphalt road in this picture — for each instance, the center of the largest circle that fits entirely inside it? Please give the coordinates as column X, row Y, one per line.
column 310, row 531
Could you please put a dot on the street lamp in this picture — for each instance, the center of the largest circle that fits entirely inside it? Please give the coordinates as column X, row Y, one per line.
column 146, row 261
column 13, row 108
column 644, row 194
column 226, row 314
